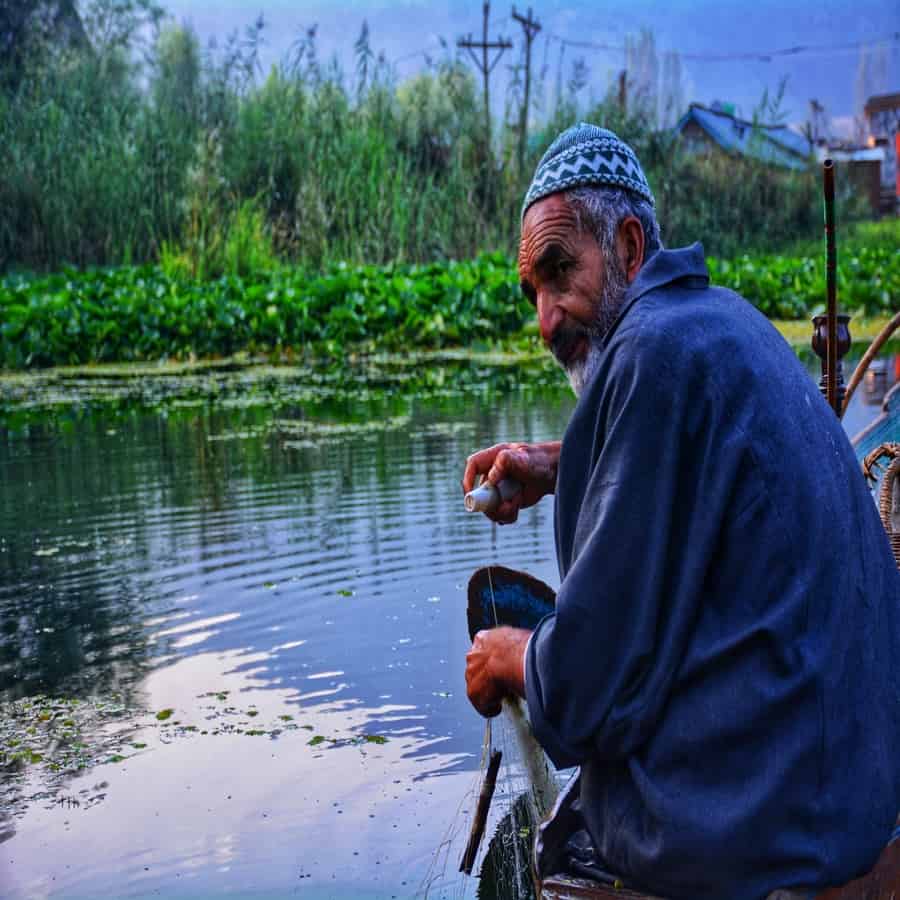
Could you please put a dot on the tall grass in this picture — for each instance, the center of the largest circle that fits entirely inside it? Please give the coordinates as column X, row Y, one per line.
column 197, row 159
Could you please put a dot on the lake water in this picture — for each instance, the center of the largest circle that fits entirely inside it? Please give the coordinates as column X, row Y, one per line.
column 255, row 585
column 287, row 577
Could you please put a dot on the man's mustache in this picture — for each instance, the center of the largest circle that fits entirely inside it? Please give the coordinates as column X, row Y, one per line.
column 566, row 338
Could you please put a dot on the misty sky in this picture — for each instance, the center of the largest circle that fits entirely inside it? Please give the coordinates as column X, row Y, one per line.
column 404, row 29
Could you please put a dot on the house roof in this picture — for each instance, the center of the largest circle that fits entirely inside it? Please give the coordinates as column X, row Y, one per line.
column 882, row 103
column 777, row 144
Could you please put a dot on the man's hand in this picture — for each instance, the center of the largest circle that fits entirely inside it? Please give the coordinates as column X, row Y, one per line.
column 534, row 466
column 495, row 667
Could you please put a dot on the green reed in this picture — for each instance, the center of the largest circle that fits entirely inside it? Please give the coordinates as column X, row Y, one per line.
column 198, row 160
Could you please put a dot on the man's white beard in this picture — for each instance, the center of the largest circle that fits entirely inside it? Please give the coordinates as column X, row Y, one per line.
column 609, row 305
column 583, row 370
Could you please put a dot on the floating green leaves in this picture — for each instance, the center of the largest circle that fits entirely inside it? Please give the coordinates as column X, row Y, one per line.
column 786, row 287
column 53, row 738
column 363, row 398
column 44, row 741
column 133, row 313
column 320, row 430
column 218, row 695
column 352, row 741
column 143, row 313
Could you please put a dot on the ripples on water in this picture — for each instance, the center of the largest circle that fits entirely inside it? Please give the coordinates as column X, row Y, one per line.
column 306, row 581
column 293, row 589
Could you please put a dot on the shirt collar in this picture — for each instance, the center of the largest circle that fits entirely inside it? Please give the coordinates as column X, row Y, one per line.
column 686, row 265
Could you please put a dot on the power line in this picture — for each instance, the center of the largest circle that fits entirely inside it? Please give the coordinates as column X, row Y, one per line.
column 744, row 56
column 436, row 42
column 758, row 55
column 767, row 56
column 409, row 56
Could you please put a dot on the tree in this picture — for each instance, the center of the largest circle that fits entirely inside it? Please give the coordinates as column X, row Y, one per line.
column 642, row 65
column 671, row 90
column 114, row 25
column 437, row 111
column 175, row 83
column 30, row 29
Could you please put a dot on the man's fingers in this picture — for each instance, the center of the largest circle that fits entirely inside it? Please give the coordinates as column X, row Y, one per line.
column 481, row 688
column 508, row 463
column 508, row 512
column 479, row 463
column 484, row 697
column 491, row 710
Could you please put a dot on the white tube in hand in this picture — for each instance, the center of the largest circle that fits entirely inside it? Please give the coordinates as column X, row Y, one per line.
column 487, row 497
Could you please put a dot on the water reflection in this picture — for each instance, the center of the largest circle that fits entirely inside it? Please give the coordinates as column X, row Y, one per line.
column 207, row 550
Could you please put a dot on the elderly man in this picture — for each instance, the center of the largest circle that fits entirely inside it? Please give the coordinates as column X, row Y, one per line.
column 723, row 663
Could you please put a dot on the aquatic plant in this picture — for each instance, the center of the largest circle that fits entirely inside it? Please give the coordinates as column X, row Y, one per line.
column 146, row 313
column 123, row 314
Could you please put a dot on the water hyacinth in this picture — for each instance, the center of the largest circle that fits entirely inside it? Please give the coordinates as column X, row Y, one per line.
column 142, row 313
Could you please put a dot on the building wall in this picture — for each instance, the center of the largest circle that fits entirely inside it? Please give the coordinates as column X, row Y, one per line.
column 886, row 124
column 865, row 176
column 696, row 140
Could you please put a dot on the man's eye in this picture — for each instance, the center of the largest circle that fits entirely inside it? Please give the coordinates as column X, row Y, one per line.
column 564, row 266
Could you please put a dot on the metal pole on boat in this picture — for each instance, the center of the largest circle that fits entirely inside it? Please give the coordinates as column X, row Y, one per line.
column 831, row 332
column 831, row 285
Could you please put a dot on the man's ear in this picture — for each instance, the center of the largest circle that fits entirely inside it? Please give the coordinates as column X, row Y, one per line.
column 630, row 246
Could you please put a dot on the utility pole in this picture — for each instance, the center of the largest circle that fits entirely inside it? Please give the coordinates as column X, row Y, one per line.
column 623, row 92
column 531, row 27
column 485, row 65
column 816, row 121
column 559, row 74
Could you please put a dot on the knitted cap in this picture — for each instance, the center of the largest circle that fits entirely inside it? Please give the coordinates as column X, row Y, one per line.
column 587, row 155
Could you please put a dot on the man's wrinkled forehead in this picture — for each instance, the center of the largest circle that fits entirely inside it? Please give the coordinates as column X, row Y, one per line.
column 551, row 222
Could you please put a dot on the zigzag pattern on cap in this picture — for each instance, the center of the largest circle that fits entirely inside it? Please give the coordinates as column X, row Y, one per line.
column 583, row 164
column 599, row 158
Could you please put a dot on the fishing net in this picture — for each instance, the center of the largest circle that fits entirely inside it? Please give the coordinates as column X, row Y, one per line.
column 503, row 865
column 524, row 788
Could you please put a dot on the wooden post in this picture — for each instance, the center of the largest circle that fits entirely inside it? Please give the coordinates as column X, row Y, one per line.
column 831, row 286
column 531, row 27
column 485, row 66
column 831, row 332
column 820, row 346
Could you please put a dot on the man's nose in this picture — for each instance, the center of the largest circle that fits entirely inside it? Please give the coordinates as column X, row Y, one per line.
column 549, row 316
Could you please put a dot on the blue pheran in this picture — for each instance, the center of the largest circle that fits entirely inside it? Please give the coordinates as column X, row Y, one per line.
column 723, row 659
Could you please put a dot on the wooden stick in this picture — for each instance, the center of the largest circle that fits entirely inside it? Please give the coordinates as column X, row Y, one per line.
column 481, row 813
column 868, row 356
column 831, row 286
